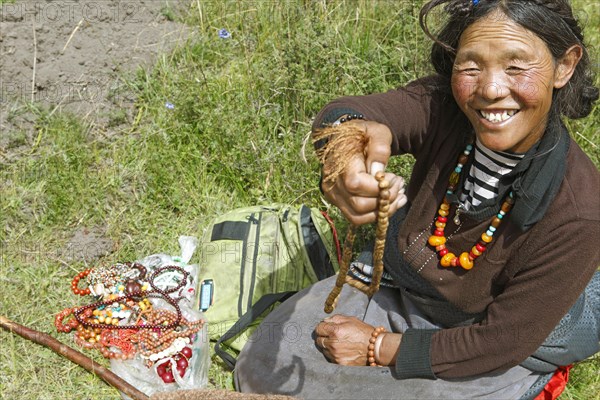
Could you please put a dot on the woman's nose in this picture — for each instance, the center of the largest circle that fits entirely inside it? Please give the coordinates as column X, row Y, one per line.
column 493, row 87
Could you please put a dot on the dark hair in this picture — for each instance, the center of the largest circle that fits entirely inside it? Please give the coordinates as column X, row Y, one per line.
column 551, row 20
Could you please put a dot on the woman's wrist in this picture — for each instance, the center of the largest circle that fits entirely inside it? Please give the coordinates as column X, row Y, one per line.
column 347, row 117
column 387, row 348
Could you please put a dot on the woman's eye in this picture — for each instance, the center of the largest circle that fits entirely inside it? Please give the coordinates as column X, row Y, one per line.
column 471, row 71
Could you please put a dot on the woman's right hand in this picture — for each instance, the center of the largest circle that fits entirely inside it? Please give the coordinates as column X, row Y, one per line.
column 356, row 191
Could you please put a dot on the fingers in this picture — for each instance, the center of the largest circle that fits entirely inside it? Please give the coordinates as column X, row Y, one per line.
column 376, row 167
column 379, row 147
column 358, row 200
column 321, row 342
column 325, row 329
column 356, row 192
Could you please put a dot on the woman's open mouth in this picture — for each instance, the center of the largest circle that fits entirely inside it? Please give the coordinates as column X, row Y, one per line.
column 497, row 116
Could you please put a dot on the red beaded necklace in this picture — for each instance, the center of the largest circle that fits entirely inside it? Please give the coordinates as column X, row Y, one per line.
column 438, row 240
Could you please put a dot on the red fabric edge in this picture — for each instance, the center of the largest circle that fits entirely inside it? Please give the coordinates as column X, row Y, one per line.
column 556, row 385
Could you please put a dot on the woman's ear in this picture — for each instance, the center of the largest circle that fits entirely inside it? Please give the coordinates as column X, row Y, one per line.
column 566, row 66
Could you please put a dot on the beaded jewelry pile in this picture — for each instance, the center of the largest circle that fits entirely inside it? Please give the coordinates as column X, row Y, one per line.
column 135, row 314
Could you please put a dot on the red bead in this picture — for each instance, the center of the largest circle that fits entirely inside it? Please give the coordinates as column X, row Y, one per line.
column 443, row 252
column 438, row 232
column 187, row 352
column 472, row 256
column 168, row 377
column 182, row 363
column 161, row 369
column 442, row 219
column 480, row 247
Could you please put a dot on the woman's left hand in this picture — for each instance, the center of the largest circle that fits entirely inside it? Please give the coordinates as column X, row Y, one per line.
column 344, row 340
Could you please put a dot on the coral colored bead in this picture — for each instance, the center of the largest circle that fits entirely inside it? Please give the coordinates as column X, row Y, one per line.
column 439, row 232
column 442, row 219
column 465, row 262
column 443, row 252
column 475, row 251
column 472, row 256
column 447, row 259
column 480, row 247
column 486, row 238
column 440, row 247
column 456, row 262
column 435, row 241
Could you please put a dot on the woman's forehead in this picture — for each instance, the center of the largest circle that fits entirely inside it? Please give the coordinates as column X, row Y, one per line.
column 498, row 33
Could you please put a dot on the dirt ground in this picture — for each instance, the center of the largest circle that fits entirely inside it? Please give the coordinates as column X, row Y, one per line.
column 72, row 56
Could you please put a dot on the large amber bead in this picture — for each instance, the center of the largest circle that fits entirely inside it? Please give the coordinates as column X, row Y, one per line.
column 446, row 261
column 435, row 241
column 465, row 261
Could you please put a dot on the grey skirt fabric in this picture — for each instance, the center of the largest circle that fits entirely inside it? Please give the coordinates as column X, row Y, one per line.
column 281, row 356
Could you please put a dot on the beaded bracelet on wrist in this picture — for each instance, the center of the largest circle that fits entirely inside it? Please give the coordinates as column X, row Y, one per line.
column 371, row 353
column 346, row 118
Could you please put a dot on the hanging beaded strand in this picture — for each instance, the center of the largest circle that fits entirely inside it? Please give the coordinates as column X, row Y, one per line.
column 438, row 239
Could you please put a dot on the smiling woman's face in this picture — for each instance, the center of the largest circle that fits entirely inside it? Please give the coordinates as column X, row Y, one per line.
column 503, row 79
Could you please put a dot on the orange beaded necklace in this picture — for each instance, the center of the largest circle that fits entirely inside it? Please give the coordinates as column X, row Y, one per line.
column 438, row 240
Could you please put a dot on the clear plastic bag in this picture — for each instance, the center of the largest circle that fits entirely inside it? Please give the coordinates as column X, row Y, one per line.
column 142, row 372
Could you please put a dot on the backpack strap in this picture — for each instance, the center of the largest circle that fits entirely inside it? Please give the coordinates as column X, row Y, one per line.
column 246, row 320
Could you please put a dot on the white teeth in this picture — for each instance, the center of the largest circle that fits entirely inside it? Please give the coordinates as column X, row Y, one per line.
column 498, row 117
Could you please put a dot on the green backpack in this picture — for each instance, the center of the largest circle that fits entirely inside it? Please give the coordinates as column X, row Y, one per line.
column 257, row 251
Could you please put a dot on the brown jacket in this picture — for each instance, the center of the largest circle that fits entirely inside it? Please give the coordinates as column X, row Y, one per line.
column 529, row 276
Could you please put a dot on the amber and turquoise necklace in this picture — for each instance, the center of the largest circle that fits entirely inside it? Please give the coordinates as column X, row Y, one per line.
column 438, row 239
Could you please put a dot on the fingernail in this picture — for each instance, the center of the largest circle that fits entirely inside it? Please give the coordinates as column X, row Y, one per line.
column 376, row 167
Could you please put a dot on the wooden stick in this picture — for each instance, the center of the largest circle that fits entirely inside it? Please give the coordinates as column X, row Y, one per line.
column 73, row 355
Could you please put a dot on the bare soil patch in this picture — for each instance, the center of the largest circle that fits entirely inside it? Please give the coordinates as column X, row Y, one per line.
column 72, row 55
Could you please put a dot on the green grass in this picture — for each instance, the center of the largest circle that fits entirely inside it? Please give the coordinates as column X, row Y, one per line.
column 242, row 110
